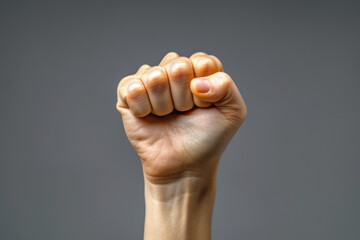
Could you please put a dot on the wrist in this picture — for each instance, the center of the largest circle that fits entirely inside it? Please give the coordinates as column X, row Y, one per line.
column 179, row 206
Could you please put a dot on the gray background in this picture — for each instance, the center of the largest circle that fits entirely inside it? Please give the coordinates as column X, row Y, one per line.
column 67, row 170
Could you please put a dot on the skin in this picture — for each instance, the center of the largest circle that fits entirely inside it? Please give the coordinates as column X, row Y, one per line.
column 179, row 116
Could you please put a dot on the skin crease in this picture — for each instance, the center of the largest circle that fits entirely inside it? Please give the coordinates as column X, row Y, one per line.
column 180, row 134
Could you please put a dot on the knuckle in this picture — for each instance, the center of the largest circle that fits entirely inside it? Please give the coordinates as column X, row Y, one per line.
column 127, row 78
column 135, row 91
column 198, row 54
column 123, row 82
column 205, row 61
column 143, row 68
column 217, row 62
column 224, row 77
column 156, row 79
column 181, row 71
column 172, row 53
column 180, row 59
column 244, row 112
column 204, row 64
column 167, row 58
column 222, row 82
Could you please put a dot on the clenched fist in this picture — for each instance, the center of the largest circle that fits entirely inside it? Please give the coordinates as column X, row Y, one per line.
column 180, row 115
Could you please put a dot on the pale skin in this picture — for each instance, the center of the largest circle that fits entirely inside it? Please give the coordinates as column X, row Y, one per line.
column 179, row 116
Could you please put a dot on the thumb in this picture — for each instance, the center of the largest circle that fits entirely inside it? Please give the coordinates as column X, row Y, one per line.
column 219, row 89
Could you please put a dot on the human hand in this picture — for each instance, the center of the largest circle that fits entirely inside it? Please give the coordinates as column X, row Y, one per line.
column 180, row 116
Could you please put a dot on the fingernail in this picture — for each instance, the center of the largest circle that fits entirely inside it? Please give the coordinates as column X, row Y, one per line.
column 202, row 85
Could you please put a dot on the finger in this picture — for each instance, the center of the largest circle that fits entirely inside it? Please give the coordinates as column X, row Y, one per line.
column 122, row 91
column 137, row 99
column 205, row 65
column 200, row 103
column 180, row 73
column 142, row 69
column 157, row 86
column 198, row 54
column 220, row 90
column 132, row 94
column 168, row 57
column 218, row 63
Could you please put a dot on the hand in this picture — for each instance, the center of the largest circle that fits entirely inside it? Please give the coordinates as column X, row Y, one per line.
column 179, row 116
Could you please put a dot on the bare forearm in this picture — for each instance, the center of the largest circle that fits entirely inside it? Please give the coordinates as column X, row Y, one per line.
column 179, row 209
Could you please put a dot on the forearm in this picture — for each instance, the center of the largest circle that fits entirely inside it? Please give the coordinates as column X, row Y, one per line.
column 180, row 208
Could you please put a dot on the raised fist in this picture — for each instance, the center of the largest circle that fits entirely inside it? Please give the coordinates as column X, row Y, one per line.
column 180, row 115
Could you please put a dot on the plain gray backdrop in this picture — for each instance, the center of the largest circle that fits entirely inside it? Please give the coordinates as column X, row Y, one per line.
column 67, row 170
